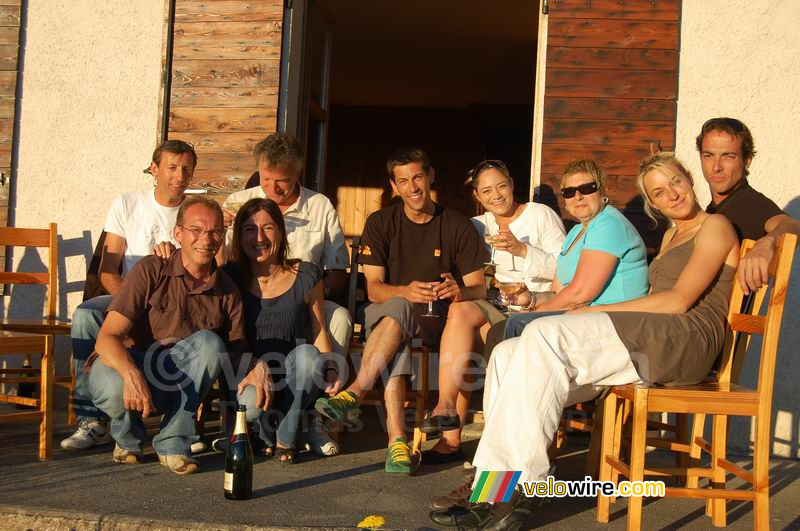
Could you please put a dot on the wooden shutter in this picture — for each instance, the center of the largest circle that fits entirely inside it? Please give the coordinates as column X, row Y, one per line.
column 9, row 52
column 224, row 93
column 610, row 91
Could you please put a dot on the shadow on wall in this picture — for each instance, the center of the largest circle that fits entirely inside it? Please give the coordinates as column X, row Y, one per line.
column 28, row 301
column 785, row 406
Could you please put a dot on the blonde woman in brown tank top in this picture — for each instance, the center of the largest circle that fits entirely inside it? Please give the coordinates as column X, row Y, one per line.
column 670, row 336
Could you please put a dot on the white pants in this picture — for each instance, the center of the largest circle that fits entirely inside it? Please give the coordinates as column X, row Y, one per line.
column 557, row 361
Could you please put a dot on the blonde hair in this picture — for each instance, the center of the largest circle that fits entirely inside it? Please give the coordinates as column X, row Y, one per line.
column 590, row 168
column 654, row 162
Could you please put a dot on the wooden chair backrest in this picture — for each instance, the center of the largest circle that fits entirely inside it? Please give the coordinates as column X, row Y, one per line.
column 744, row 325
column 17, row 237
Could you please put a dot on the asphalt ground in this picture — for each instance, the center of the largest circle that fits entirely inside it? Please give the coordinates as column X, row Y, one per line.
column 86, row 490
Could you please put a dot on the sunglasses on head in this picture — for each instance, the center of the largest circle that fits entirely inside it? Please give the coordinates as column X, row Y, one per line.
column 584, row 189
column 485, row 165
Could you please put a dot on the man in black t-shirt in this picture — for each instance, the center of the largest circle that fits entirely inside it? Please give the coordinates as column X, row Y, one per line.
column 417, row 256
column 726, row 150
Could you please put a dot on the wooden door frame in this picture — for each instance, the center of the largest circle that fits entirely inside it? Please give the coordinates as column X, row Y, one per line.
column 538, row 100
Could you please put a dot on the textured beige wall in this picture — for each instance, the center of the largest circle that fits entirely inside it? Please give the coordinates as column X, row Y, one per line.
column 89, row 123
column 741, row 58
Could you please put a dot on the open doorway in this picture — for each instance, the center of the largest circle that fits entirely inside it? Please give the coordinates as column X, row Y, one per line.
column 453, row 77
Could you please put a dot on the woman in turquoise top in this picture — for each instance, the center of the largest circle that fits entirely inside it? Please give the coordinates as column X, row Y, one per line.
column 603, row 260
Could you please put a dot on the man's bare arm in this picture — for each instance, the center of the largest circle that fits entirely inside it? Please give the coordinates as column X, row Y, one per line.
column 754, row 266
column 380, row 291
column 110, row 260
column 113, row 353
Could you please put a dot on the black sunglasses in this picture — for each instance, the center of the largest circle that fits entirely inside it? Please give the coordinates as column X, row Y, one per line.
column 584, row 189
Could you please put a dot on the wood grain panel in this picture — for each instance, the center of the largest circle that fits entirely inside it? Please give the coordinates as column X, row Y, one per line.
column 5, row 155
column 240, row 33
column 609, row 108
column 222, row 142
column 652, row 84
column 219, row 120
column 607, row 132
column 228, row 162
column 9, row 15
column 616, row 58
column 225, row 51
column 616, row 9
column 225, row 96
column 223, row 74
column 6, row 108
column 6, row 130
column 221, row 183
column 8, row 84
column 613, row 159
column 8, row 56
column 9, row 35
column 228, row 11
column 593, row 33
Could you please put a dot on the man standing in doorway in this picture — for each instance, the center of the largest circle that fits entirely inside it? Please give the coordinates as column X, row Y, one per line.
column 137, row 225
column 726, row 150
column 418, row 257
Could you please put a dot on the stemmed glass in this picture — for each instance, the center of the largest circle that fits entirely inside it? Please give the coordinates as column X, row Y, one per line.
column 490, row 241
column 507, row 289
column 430, row 312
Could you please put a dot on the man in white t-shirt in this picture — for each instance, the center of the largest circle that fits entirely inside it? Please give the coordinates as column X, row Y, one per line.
column 314, row 235
column 137, row 225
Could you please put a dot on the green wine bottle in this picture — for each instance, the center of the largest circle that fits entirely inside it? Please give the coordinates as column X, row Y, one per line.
column 239, row 461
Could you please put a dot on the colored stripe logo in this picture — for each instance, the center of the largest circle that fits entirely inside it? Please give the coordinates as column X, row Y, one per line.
column 495, row 486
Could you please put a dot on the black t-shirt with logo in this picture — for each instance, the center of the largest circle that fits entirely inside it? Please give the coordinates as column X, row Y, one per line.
column 747, row 209
column 409, row 251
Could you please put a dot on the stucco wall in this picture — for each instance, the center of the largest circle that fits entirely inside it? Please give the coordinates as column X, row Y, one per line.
column 88, row 123
column 741, row 58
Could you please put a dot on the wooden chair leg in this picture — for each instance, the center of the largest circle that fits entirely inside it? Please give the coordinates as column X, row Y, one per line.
column 421, row 402
column 682, row 435
column 698, row 425
column 621, row 415
column 595, row 442
column 719, row 440
column 605, row 417
column 761, row 470
column 638, row 441
column 46, row 400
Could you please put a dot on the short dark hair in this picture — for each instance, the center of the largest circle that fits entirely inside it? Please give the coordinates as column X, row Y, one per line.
column 198, row 200
column 177, row 147
column 238, row 257
column 733, row 127
column 280, row 150
column 406, row 155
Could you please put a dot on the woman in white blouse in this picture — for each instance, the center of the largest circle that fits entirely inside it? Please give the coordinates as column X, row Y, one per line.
column 527, row 241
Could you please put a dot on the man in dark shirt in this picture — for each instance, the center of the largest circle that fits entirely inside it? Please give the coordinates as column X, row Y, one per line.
column 726, row 150
column 163, row 342
column 417, row 256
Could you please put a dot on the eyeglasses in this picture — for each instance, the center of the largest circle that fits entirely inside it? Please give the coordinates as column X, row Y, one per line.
column 584, row 189
column 725, row 124
column 483, row 166
column 216, row 234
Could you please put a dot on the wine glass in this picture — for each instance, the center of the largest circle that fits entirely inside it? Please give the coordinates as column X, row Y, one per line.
column 490, row 241
column 430, row 312
column 507, row 289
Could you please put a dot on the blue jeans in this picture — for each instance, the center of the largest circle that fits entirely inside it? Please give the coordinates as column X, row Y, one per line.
column 178, row 378
column 517, row 322
column 291, row 397
column 86, row 322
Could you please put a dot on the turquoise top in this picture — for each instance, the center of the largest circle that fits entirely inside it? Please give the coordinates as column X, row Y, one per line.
column 609, row 232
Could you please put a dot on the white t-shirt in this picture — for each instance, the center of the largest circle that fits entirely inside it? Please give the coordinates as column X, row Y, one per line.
column 542, row 232
column 137, row 217
column 313, row 230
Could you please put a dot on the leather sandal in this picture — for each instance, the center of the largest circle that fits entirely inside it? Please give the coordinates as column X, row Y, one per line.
column 439, row 423
column 285, row 455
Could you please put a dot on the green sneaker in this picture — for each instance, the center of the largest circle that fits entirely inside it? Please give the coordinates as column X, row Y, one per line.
column 398, row 458
column 342, row 408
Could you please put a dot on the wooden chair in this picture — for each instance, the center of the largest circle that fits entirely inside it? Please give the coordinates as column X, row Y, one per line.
column 47, row 324
column 416, row 398
column 17, row 343
column 719, row 398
